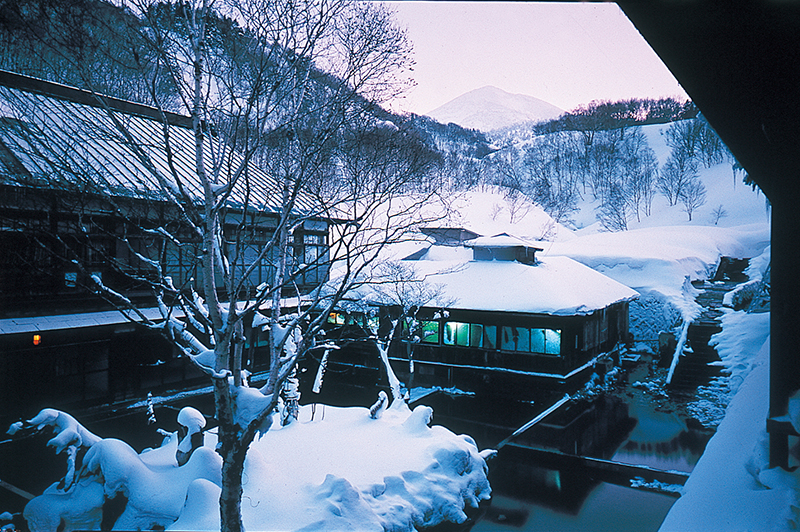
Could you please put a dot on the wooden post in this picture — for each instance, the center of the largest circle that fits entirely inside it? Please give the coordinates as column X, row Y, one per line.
column 784, row 374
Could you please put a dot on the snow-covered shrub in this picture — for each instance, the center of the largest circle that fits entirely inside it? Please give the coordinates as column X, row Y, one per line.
column 650, row 315
column 151, row 485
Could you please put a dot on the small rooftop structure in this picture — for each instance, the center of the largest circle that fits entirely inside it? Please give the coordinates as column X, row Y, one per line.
column 503, row 247
column 449, row 236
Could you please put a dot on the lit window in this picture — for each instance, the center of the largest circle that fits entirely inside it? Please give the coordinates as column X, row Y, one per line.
column 336, row 318
column 515, row 339
column 538, row 340
column 490, row 336
column 456, row 333
column 553, row 343
column 37, row 339
column 524, row 343
column 476, row 335
column 429, row 332
column 546, row 341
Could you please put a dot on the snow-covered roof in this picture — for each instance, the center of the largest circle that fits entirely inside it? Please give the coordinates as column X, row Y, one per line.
column 449, row 235
column 556, row 286
column 459, row 277
column 503, row 240
column 59, row 137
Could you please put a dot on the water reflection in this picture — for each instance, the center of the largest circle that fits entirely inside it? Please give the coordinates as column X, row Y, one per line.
column 531, row 491
column 662, row 440
column 607, row 508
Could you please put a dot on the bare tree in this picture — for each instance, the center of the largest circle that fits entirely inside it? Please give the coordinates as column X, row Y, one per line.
column 718, row 214
column 679, row 170
column 684, row 136
column 638, row 168
column 507, row 167
column 697, row 139
column 605, row 161
column 397, row 294
column 554, row 168
column 282, row 136
column 613, row 212
column 518, row 204
column 711, row 150
column 693, row 195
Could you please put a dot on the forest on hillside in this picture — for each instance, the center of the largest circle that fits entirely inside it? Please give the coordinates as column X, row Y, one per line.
column 614, row 166
column 593, row 151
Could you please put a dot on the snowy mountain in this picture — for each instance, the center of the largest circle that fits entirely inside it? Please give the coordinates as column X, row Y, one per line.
column 490, row 108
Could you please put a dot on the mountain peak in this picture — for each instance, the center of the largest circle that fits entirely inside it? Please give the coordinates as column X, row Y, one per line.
column 490, row 107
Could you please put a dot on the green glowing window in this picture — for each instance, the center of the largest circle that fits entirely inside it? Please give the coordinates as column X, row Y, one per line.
column 476, row 335
column 456, row 333
column 429, row 332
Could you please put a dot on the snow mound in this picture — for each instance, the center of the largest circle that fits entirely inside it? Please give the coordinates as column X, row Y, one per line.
column 342, row 470
column 492, row 211
column 661, row 260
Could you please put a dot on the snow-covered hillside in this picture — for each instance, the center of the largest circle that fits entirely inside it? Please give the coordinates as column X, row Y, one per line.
column 658, row 253
column 490, row 108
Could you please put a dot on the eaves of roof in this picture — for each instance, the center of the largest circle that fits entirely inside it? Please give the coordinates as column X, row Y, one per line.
column 73, row 94
column 62, row 135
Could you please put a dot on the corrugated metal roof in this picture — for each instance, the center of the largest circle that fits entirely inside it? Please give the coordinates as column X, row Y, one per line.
column 62, row 137
column 34, row 324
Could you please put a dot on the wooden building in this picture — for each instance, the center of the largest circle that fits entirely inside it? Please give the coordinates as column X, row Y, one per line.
column 503, row 319
column 490, row 315
column 85, row 186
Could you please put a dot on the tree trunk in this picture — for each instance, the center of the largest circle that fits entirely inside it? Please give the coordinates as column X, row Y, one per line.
column 230, row 500
column 232, row 450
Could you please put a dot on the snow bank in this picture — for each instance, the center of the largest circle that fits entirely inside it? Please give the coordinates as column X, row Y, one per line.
column 491, row 212
column 731, row 487
column 661, row 259
column 336, row 470
column 742, row 335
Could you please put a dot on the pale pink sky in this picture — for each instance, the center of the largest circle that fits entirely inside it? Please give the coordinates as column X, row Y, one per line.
column 566, row 54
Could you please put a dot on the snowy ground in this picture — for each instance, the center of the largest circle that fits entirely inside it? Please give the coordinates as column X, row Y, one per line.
column 334, row 469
